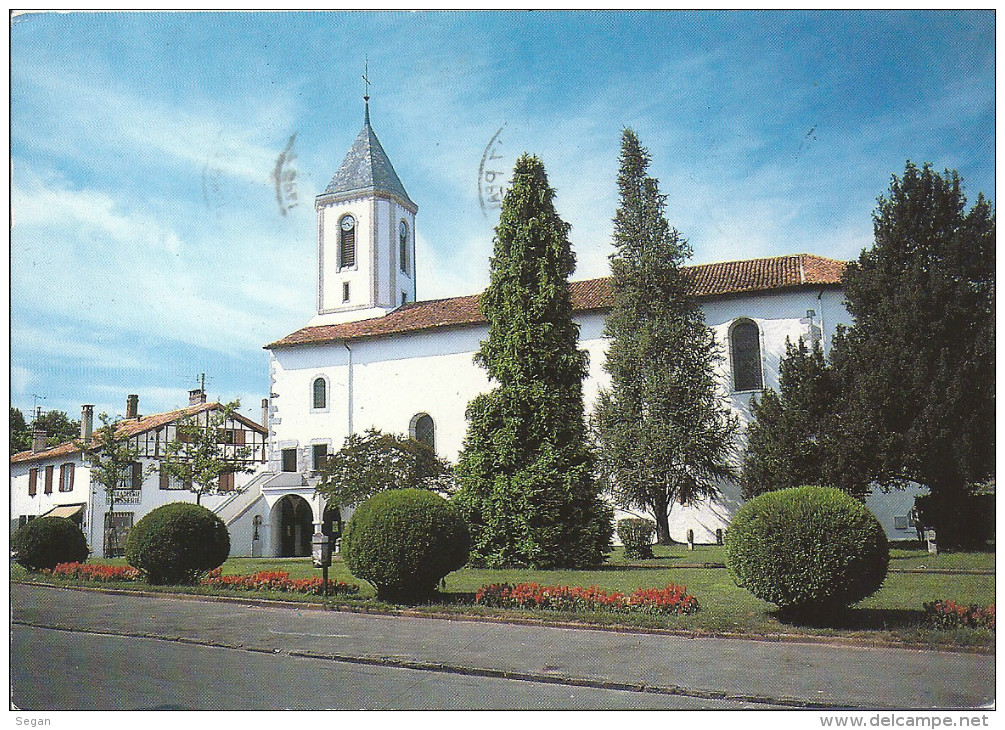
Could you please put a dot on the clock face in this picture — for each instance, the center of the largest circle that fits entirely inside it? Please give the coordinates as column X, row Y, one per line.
column 348, row 223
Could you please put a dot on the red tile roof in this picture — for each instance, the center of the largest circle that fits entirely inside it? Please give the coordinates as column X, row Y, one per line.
column 724, row 279
column 133, row 427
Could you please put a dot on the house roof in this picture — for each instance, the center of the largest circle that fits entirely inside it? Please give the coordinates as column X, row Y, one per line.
column 134, row 427
column 367, row 168
column 729, row 278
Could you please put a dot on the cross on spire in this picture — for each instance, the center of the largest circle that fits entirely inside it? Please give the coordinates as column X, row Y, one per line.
column 366, row 87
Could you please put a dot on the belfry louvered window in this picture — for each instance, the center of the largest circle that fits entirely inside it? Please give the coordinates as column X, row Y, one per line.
column 347, row 242
column 403, row 246
column 745, row 355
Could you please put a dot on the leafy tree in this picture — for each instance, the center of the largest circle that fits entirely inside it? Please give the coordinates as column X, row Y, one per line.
column 374, row 462
column 111, row 454
column 202, row 451
column 526, row 471
column 916, row 370
column 664, row 432
column 787, row 440
column 20, row 433
column 58, row 427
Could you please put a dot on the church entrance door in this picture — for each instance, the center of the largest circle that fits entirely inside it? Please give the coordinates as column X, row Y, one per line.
column 296, row 526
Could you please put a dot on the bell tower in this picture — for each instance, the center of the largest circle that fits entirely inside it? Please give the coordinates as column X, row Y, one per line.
column 366, row 236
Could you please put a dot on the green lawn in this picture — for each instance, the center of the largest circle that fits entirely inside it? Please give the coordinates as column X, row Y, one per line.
column 894, row 613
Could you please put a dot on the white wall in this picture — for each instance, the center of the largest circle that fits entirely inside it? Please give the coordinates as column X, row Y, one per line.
column 395, row 378
column 22, row 504
column 94, row 497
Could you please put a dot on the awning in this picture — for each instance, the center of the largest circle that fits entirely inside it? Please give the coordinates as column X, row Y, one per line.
column 69, row 511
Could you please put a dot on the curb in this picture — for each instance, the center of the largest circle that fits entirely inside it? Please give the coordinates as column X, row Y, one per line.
column 818, row 639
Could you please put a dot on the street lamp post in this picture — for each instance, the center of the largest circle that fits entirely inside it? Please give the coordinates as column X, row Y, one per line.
column 322, row 554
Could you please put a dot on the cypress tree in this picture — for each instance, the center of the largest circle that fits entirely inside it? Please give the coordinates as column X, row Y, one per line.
column 664, row 432
column 526, row 472
column 787, row 438
column 916, row 370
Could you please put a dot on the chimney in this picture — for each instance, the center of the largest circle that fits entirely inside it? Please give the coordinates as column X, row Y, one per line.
column 37, row 440
column 86, row 423
column 265, row 412
column 197, row 396
column 132, row 406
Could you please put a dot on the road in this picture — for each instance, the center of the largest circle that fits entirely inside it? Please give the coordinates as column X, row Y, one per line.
column 132, row 652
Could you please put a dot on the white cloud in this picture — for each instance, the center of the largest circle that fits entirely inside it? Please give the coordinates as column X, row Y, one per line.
column 103, row 118
column 35, row 205
column 126, row 271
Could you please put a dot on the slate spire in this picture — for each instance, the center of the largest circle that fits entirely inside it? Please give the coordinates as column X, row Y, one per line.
column 366, row 168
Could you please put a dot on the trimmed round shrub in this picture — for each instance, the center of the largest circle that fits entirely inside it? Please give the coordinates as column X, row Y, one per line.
column 404, row 541
column 636, row 534
column 177, row 543
column 809, row 550
column 44, row 543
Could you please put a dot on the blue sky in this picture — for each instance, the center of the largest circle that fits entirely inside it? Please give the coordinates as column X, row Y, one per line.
column 148, row 244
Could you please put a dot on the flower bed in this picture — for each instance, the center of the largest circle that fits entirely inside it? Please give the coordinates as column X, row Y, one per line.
column 93, row 572
column 670, row 600
column 277, row 580
column 949, row 615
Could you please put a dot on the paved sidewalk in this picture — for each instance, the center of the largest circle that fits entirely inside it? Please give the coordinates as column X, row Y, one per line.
column 748, row 670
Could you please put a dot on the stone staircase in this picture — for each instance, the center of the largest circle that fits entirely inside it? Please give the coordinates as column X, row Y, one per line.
column 242, row 501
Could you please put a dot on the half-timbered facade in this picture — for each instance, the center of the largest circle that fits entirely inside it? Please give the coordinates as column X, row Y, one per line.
column 57, row 481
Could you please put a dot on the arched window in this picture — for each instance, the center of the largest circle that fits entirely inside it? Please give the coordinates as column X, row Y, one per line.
column 320, row 393
column 403, row 246
column 423, row 430
column 347, row 242
column 745, row 354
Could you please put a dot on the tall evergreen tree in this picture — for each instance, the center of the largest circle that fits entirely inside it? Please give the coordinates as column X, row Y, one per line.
column 664, row 431
column 916, row 369
column 526, row 472
column 786, row 441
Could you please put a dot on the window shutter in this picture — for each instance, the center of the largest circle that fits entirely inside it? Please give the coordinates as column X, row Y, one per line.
column 227, row 482
column 239, row 437
column 72, row 469
column 48, row 478
column 137, row 475
column 32, row 482
column 165, row 480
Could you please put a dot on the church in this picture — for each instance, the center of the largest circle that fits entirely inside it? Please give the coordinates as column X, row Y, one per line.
column 375, row 356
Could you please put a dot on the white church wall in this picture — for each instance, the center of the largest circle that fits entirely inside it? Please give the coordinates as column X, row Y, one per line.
column 249, row 532
column 396, row 378
column 393, row 379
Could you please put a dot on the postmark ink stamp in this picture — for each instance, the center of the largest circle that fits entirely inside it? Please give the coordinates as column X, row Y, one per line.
column 492, row 175
column 284, row 177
